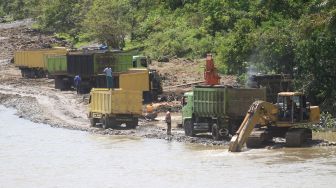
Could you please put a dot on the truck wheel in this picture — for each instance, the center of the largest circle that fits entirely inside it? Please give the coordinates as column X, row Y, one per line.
column 114, row 123
column 215, row 132
column 188, row 128
column 132, row 124
column 23, row 73
column 93, row 122
column 106, row 122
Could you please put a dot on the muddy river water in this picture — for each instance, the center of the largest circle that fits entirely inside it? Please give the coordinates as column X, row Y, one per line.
column 36, row 155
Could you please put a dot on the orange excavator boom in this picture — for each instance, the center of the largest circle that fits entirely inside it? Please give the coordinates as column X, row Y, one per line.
column 210, row 73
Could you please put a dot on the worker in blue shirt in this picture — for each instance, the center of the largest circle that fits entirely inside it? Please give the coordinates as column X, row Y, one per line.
column 109, row 78
column 77, row 81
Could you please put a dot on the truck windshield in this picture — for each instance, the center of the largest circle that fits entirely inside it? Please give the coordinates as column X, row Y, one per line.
column 143, row 62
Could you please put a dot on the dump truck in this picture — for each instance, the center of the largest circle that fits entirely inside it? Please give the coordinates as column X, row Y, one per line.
column 89, row 65
column 57, row 68
column 143, row 79
column 146, row 80
column 113, row 107
column 287, row 119
column 56, row 64
column 217, row 109
column 137, row 79
column 32, row 62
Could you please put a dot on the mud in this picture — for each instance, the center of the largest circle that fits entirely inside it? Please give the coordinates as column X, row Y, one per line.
column 38, row 101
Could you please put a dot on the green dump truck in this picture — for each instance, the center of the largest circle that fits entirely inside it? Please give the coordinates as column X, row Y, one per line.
column 56, row 65
column 217, row 109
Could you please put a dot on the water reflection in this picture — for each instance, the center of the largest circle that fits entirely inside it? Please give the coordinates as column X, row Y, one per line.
column 35, row 155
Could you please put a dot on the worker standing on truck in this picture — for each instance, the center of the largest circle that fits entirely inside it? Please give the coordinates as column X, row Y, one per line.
column 77, row 81
column 168, row 121
column 109, row 78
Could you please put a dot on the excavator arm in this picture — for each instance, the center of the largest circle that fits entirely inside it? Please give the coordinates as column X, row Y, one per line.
column 210, row 72
column 260, row 112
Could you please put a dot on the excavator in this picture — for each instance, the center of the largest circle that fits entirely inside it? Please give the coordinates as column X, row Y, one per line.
column 211, row 76
column 287, row 119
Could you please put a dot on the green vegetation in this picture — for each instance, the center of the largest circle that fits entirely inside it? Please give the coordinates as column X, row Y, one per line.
column 291, row 36
column 19, row 9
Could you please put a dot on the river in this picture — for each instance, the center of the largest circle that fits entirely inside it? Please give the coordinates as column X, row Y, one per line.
column 36, row 155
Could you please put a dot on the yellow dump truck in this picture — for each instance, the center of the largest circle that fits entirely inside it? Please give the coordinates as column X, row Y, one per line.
column 113, row 107
column 32, row 62
column 145, row 80
column 135, row 79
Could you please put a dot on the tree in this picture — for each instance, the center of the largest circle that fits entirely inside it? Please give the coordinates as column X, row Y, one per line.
column 18, row 9
column 108, row 21
column 315, row 56
column 63, row 16
column 275, row 43
column 235, row 48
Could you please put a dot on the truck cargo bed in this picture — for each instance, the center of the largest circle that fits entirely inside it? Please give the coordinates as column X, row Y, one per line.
column 35, row 58
column 224, row 101
column 116, row 101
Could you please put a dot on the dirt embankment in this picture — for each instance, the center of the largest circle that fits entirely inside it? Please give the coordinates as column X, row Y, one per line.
column 38, row 101
column 19, row 35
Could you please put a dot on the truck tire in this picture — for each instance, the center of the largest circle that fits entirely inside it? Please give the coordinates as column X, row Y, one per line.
column 23, row 73
column 215, row 132
column 106, row 122
column 114, row 123
column 93, row 122
column 188, row 128
column 132, row 124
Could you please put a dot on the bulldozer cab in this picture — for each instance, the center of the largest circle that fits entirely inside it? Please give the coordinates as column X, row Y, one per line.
column 292, row 107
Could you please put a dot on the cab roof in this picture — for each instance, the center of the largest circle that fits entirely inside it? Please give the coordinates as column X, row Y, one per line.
column 290, row 94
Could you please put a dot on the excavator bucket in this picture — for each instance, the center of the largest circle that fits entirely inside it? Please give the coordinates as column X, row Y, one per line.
column 233, row 147
column 236, row 142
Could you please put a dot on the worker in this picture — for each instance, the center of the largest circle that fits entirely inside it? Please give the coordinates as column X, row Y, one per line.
column 151, row 113
column 150, row 108
column 168, row 121
column 109, row 78
column 77, row 82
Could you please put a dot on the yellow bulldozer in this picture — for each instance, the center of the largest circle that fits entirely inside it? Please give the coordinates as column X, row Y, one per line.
column 287, row 119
